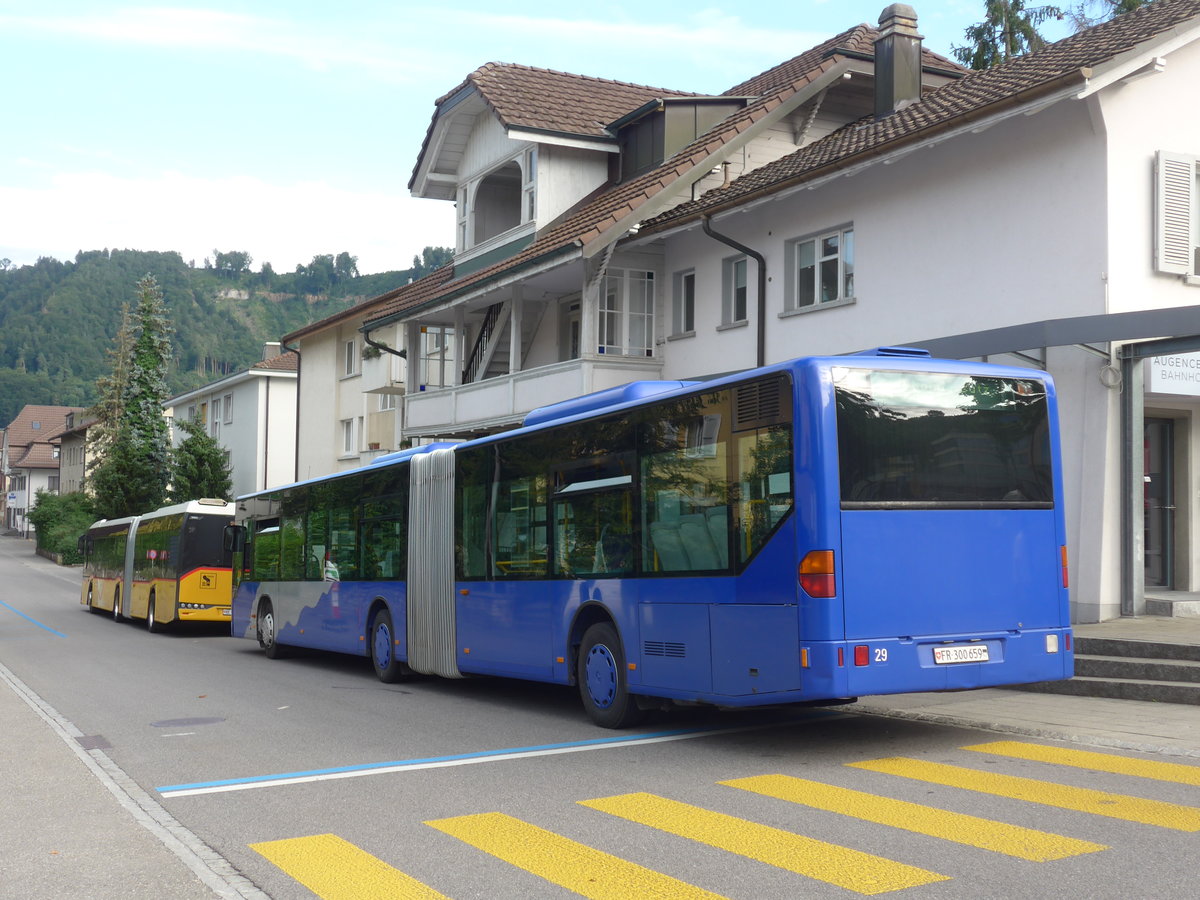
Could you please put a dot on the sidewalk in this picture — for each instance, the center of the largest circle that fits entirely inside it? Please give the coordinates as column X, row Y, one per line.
column 1168, row 728
column 70, row 828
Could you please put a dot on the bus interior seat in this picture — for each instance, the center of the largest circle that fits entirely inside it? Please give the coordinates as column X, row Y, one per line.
column 693, row 533
column 664, row 537
column 717, row 518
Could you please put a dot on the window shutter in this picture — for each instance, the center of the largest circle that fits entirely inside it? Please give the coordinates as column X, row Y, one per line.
column 1174, row 187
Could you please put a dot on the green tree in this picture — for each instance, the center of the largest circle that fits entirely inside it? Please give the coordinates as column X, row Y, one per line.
column 132, row 477
column 60, row 519
column 1009, row 29
column 345, row 266
column 198, row 466
column 108, row 411
column 431, row 258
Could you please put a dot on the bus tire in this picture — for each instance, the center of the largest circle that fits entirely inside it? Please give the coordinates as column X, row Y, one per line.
column 388, row 667
column 601, row 674
column 91, row 605
column 267, row 632
column 116, row 610
column 152, row 623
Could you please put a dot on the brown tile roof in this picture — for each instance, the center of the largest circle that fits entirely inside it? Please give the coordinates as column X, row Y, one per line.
column 287, row 361
column 857, row 41
column 546, row 100
column 39, row 455
column 413, row 294
column 38, row 423
column 974, row 96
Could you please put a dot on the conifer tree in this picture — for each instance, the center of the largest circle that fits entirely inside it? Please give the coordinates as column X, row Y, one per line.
column 199, row 468
column 132, row 477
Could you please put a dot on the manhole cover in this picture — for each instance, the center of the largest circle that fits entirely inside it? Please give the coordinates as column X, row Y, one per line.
column 177, row 723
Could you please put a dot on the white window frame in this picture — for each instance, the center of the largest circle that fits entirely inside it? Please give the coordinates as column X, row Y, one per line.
column 387, row 402
column 228, row 409
column 462, row 213
column 349, row 438
column 1177, row 215
column 735, row 277
column 804, row 273
column 350, row 358
column 529, row 185
column 683, row 303
column 623, row 330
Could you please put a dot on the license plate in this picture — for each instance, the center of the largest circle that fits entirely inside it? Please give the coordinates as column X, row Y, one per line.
column 960, row 653
column 227, row 612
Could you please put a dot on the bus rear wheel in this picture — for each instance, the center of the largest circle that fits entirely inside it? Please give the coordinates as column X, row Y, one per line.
column 601, row 676
column 116, row 610
column 91, row 605
column 267, row 635
column 388, row 668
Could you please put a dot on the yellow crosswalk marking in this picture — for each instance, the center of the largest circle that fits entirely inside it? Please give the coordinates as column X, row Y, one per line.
column 335, row 869
column 1097, row 762
column 1000, row 837
column 851, row 869
column 1100, row 803
column 564, row 862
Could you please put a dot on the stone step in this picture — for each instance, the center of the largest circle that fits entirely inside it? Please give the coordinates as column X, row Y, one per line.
column 1121, row 689
column 1131, row 667
column 1189, row 605
column 1138, row 649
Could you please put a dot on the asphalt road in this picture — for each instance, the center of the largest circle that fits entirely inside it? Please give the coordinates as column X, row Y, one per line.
column 309, row 771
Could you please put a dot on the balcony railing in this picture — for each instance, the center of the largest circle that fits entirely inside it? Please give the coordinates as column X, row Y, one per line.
column 503, row 401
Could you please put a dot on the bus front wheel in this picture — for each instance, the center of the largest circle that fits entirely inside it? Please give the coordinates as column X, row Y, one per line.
column 601, row 676
column 383, row 650
column 116, row 610
column 267, row 635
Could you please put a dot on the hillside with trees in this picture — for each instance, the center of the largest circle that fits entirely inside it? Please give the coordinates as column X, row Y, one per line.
column 58, row 320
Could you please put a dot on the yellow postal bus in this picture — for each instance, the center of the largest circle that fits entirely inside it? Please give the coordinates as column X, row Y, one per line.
column 167, row 566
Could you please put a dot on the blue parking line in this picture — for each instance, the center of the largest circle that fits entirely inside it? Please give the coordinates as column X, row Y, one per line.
column 31, row 619
column 458, row 759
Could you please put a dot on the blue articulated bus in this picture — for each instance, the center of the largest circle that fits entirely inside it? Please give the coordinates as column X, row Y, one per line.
column 807, row 532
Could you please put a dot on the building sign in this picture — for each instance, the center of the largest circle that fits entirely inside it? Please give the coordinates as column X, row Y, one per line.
column 1174, row 374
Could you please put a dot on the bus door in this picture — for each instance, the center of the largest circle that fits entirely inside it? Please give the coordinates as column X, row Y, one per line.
column 947, row 504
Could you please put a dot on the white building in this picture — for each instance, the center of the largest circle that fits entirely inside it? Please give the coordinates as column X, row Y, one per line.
column 252, row 415
column 866, row 192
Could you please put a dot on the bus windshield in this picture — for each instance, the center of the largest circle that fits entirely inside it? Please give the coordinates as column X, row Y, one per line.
column 932, row 439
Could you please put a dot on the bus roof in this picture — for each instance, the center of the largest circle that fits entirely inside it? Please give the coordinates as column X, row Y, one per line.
column 209, row 507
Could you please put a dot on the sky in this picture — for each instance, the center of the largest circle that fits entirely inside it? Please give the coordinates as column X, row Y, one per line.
column 289, row 129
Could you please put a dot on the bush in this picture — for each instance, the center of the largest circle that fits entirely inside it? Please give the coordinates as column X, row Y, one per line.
column 60, row 519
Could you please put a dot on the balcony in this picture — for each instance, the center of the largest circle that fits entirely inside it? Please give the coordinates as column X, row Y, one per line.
column 383, row 374
column 498, row 403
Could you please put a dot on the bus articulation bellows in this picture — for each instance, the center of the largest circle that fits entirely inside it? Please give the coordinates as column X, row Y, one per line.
column 169, row 565
column 807, row 532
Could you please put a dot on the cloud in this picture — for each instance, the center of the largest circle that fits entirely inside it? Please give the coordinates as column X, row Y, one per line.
column 284, row 224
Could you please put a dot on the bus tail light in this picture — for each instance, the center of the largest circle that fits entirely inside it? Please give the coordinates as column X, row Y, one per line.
column 817, row 575
column 862, row 655
column 1067, row 640
column 1063, row 552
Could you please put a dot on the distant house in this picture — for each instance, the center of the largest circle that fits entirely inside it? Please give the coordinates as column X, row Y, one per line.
column 252, row 415
column 30, row 460
column 865, row 192
column 73, row 453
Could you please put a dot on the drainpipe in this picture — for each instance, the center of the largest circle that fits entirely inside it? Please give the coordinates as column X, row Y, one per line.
column 296, row 454
column 762, row 283
column 383, row 348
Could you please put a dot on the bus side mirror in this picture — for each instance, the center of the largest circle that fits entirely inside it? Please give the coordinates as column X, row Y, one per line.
column 235, row 538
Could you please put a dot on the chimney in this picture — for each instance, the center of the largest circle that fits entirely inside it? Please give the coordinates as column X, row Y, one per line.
column 897, row 60
column 270, row 350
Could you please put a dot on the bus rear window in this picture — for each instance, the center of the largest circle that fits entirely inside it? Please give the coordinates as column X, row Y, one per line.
column 931, row 439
